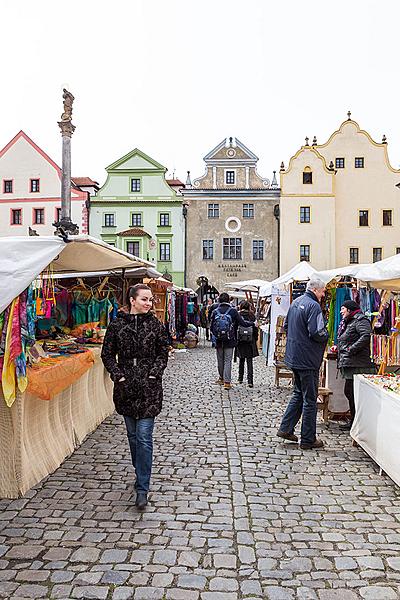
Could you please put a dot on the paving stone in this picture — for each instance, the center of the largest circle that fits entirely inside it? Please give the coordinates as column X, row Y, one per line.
column 337, row 595
column 165, row 557
column 277, row 593
column 197, row 582
column 394, row 562
column 90, row 591
column 223, row 584
column 378, row 592
column 345, row 563
column 370, row 562
column 189, row 559
column 162, row 580
column 61, row 591
column 24, row 552
column 225, row 561
column 149, row 593
column 85, row 555
column 115, row 577
column 32, row 591
column 177, row 594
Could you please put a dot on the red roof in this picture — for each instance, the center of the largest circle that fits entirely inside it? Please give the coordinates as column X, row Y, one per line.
column 134, row 231
column 175, row 182
column 84, row 181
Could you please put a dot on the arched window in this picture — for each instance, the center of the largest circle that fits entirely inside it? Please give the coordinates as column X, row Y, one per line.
column 307, row 175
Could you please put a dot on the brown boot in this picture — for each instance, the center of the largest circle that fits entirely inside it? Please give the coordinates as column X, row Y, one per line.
column 315, row 445
column 287, row 436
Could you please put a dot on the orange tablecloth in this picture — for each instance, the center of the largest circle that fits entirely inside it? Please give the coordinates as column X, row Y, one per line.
column 46, row 381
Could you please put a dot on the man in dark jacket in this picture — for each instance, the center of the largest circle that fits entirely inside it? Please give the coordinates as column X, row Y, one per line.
column 225, row 347
column 306, row 340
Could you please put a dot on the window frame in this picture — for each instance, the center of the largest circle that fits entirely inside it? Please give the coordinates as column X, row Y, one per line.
column 354, row 262
column 359, row 162
column 256, row 250
column 340, row 162
column 57, row 213
column 169, row 251
column 250, row 210
column 397, row 250
column 306, row 175
column 136, row 214
column 164, row 214
column 215, row 206
column 6, row 181
column 34, row 214
column 128, row 242
column 12, row 211
column 309, row 252
column 230, row 171
column 132, row 179
column 31, row 180
column 207, row 248
column 387, row 211
column 237, row 246
column 300, row 214
column 364, row 210
column 373, row 254
column 113, row 219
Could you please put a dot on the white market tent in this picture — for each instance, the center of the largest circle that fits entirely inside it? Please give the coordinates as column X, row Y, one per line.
column 250, row 285
column 22, row 259
column 384, row 274
column 137, row 272
column 331, row 274
column 300, row 272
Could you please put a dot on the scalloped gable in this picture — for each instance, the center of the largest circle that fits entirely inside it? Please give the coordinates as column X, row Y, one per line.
column 136, row 160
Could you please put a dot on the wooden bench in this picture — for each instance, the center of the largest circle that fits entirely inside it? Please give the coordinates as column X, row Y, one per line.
column 282, row 372
column 324, row 394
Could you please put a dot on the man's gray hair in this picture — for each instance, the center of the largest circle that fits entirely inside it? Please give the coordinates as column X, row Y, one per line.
column 315, row 283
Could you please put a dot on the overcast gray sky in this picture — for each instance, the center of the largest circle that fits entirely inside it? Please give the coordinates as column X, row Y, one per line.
column 174, row 77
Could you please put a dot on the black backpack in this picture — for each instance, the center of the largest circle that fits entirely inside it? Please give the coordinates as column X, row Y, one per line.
column 245, row 334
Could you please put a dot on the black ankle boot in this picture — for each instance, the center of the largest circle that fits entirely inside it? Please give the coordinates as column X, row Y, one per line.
column 141, row 500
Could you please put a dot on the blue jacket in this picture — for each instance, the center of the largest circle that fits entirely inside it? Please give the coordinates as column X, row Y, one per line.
column 306, row 333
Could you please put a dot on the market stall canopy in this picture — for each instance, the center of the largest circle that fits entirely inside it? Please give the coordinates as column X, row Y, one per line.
column 331, row 274
column 23, row 258
column 250, row 285
column 300, row 272
column 137, row 273
column 384, row 274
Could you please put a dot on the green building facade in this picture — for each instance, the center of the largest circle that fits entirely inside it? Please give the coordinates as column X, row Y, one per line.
column 136, row 210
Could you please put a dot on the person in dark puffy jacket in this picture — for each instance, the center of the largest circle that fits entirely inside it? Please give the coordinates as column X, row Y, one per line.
column 306, row 340
column 135, row 353
column 354, row 355
column 247, row 350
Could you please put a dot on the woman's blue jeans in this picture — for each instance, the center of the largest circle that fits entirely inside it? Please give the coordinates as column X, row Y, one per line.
column 140, row 437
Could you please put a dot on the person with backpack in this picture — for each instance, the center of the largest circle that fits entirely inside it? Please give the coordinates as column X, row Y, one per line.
column 246, row 348
column 225, row 321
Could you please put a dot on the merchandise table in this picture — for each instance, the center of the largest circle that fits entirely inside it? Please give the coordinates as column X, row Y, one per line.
column 37, row 435
column 376, row 427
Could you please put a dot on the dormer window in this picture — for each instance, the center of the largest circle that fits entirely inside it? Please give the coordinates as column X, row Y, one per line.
column 307, row 175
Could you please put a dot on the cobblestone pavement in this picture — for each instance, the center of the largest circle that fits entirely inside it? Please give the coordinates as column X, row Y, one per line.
column 235, row 512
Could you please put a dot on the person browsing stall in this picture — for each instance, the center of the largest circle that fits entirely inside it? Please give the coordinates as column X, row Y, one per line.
column 135, row 353
column 354, row 336
column 306, row 340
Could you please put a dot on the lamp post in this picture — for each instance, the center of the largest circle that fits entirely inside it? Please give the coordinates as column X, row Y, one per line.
column 65, row 225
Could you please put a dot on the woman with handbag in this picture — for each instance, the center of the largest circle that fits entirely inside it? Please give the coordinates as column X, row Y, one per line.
column 246, row 348
column 135, row 353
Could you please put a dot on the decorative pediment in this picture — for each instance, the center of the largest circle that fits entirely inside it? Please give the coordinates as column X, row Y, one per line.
column 230, row 149
column 136, row 160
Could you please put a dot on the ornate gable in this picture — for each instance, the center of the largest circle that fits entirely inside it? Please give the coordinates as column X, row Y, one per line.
column 136, row 160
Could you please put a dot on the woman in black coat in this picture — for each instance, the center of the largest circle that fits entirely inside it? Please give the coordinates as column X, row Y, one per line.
column 246, row 349
column 354, row 356
column 135, row 353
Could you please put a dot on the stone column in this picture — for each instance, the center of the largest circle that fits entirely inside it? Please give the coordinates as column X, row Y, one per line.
column 65, row 225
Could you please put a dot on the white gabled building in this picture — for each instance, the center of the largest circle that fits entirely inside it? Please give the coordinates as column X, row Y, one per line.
column 30, row 188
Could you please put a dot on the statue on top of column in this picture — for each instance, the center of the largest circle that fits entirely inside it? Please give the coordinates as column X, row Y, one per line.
column 68, row 101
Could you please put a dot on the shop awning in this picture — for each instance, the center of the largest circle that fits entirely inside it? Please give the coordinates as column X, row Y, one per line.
column 22, row 259
column 384, row 274
column 249, row 285
column 300, row 272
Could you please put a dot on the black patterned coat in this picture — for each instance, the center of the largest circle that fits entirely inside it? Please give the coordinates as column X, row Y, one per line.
column 136, row 347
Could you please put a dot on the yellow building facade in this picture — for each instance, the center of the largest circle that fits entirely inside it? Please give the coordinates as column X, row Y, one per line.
column 340, row 202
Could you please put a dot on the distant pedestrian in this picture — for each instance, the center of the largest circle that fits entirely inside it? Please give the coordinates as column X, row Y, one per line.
column 246, row 348
column 354, row 337
column 225, row 321
column 205, row 317
column 135, row 353
column 306, row 340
